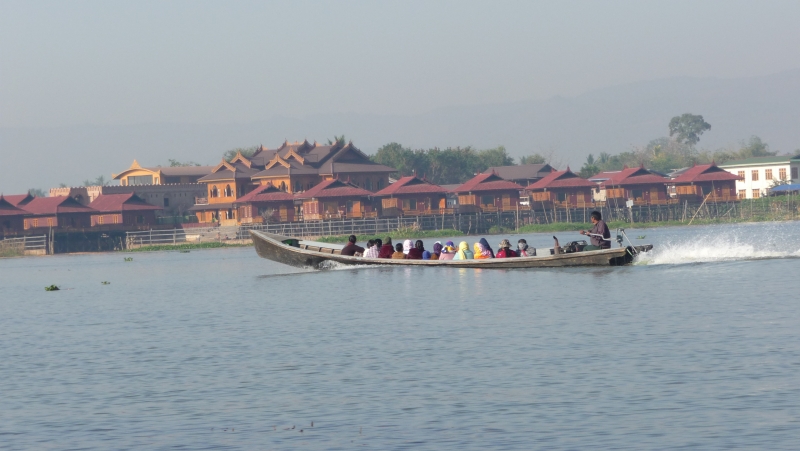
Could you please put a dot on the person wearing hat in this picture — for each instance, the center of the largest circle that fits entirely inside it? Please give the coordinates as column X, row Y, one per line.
column 505, row 250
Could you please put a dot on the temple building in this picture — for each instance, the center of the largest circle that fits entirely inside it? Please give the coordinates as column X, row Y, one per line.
column 563, row 189
column 413, row 196
column 126, row 210
column 488, row 193
column 335, row 199
column 706, row 182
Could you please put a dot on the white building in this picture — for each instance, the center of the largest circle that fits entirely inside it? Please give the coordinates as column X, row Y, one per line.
column 761, row 173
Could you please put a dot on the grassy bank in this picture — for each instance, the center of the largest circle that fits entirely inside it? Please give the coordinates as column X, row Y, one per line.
column 185, row 246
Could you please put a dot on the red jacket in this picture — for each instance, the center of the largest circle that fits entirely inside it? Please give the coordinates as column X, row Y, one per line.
column 505, row 253
column 386, row 251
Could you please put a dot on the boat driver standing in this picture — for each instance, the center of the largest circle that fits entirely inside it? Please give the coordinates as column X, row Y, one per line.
column 599, row 230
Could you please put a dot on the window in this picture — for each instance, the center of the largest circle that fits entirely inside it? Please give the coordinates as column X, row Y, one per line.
column 140, row 180
column 782, row 173
column 562, row 196
column 409, row 204
column 754, row 175
column 741, row 174
column 166, row 202
column 767, row 174
column 36, row 223
column 229, row 193
column 487, row 200
column 637, row 194
column 756, row 194
column 742, row 194
column 794, row 173
column 380, row 184
column 214, row 191
column 298, row 186
column 100, row 219
column 283, row 186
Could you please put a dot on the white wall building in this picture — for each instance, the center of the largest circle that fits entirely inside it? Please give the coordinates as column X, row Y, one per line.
column 761, row 173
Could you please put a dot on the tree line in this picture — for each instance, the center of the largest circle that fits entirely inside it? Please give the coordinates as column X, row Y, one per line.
column 446, row 166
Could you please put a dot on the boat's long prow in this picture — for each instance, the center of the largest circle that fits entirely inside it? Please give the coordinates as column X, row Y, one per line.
column 294, row 252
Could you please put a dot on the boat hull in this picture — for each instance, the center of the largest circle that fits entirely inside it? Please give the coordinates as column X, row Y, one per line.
column 270, row 247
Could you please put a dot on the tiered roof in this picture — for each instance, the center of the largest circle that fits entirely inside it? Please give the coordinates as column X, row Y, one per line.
column 108, row 203
column 411, row 185
column 561, row 179
column 334, row 188
column 487, row 182
column 237, row 169
column 705, row 173
column 314, row 159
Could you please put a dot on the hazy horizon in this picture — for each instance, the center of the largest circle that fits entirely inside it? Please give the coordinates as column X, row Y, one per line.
column 70, row 72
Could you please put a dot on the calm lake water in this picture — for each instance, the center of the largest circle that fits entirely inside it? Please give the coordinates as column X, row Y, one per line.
column 695, row 347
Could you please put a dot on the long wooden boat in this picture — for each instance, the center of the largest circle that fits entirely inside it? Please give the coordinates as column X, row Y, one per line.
column 303, row 254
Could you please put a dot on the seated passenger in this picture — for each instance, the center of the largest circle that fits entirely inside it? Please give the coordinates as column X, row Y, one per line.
column 481, row 252
column 505, row 250
column 407, row 246
column 398, row 254
column 487, row 247
column 463, row 252
column 523, row 250
column 351, row 248
column 437, row 250
column 447, row 253
column 415, row 253
column 372, row 249
column 387, row 249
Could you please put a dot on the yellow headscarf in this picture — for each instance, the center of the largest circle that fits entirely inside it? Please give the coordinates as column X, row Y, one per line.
column 463, row 248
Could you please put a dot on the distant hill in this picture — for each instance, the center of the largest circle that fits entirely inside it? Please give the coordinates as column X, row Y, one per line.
column 610, row 120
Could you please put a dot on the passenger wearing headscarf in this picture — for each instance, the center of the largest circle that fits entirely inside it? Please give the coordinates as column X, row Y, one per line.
column 487, row 247
column 387, row 249
column 407, row 246
column 437, row 250
column 505, row 250
column 481, row 252
column 523, row 250
column 463, row 252
column 372, row 250
column 415, row 253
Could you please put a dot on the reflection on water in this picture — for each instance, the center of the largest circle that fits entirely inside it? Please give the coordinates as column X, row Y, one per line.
column 217, row 349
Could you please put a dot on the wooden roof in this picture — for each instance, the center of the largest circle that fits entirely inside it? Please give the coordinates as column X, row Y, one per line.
column 334, row 188
column 411, row 185
column 561, row 179
column 112, row 203
column 633, row 176
column 487, row 182
column 705, row 173
column 9, row 209
column 265, row 193
column 55, row 205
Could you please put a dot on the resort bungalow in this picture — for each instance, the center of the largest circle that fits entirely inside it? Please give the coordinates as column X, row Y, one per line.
column 57, row 212
column 335, row 199
column 226, row 183
column 127, row 210
column 706, row 181
column 563, row 189
column 12, row 219
column 637, row 184
column 488, row 193
column 266, row 203
column 412, row 196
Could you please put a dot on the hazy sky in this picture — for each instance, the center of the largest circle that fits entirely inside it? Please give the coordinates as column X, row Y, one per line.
column 113, row 62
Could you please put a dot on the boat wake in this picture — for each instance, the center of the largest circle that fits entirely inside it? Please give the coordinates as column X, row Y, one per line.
column 712, row 250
